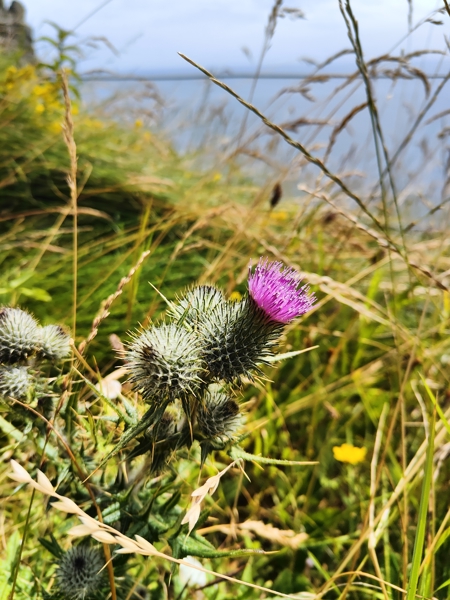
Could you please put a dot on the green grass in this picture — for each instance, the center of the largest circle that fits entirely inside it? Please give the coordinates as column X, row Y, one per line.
column 377, row 528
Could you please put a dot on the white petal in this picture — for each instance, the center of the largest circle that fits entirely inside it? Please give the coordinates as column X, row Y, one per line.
column 191, row 576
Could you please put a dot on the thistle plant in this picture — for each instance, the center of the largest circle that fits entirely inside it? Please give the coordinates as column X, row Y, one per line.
column 165, row 364
column 197, row 304
column 79, row 575
column 15, row 382
column 54, row 342
column 209, row 346
column 24, row 344
column 19, row 335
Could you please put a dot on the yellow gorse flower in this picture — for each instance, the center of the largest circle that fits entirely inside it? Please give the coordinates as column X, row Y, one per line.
column 349, row 454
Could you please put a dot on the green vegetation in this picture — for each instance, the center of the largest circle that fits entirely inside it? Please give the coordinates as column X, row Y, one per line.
column 367, row 519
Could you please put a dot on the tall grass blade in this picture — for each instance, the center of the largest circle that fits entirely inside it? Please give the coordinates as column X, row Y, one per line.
column 422, row 519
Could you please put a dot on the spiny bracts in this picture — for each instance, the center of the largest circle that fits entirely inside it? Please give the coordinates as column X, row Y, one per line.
column 15, row 382
column 165, row 363
column 78, row 576
column 218, row 416
column 19, row 335
column 54, row 342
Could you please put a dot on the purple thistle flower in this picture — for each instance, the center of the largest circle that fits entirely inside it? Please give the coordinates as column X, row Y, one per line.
column 275, row 289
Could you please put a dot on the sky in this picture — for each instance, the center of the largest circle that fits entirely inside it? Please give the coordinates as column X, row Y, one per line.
column 148, row 34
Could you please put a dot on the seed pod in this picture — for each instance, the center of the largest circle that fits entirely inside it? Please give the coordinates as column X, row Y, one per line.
column 78, row 575
column 19, row 335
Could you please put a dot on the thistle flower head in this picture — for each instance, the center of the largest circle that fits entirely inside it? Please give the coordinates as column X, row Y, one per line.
column 55, row 342
column 78, row 576
column 165, row 364
column 236, row 338
column 15, row 382
column 218, row 416
column 276, row 290
column 19, row 335
column 197, row 303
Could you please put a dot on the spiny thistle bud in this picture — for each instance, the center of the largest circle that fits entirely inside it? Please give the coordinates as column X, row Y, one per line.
column 19, row 335
column 54, row 342
column 78, row 576
column 196, row 304
column 165, row 364
column 218, row 416
column 239, row 336
column 236, row 338
column 165, row 427
column 15, row 382
column 275, row 289
column 159, row 440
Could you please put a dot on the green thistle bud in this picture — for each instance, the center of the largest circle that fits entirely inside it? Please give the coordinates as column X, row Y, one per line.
column 15, row 382
column 165, row 364
column 55, row 342
column 158, row 440
column 78, row 576
column 165, row 428
column 197, row 304
column 218, row 417
column 19, row 335
column 237, row 338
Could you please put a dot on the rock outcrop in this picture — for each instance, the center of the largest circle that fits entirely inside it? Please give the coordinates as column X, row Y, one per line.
column 14, row 32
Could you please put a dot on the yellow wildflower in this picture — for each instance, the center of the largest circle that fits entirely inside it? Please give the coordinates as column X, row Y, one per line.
column 39, row 109
column 235, row 296
column 55, row 127
column 138, row 123
column 217, row 177
column 349, row 454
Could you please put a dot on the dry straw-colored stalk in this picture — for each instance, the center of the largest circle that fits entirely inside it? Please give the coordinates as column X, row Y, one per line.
column 106, row 304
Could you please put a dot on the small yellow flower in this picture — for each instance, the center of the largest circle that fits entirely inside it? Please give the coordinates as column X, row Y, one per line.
column 138, row 123
column 349, row 454
column 217, row 177
column 55, row 127
column 235, row 296
column 39, row 109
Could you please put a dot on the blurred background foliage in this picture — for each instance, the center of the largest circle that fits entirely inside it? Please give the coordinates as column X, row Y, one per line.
column 379, row 324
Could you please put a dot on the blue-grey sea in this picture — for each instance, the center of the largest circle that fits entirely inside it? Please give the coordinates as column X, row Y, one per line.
column 206, row 122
